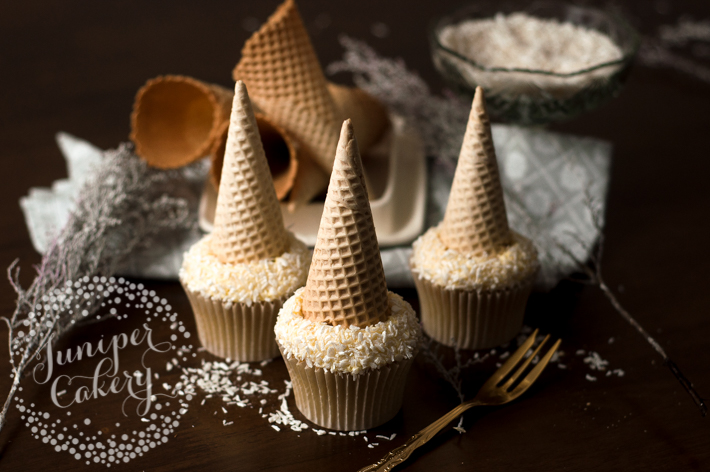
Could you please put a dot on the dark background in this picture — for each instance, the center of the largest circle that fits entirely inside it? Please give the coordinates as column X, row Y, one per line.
column 75, row 66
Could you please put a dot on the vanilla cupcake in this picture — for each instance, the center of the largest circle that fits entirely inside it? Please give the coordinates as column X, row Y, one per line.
column 238, row 277
column 348, row 342
column 473, row 274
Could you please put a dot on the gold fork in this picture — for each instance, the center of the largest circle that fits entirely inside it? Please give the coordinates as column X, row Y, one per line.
column 493, row 392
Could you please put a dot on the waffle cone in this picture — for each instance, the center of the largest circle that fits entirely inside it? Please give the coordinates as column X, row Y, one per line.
column 369, row 117
column 285, row 80
column 475, row 221
column 280, row 150
column 248, row 225
column 346, row 282
column 176, row 120
column 309, row 182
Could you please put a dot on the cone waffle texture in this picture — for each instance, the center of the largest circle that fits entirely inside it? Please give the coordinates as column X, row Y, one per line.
column 310, row 181
column 237, row 331
column 248, row 225
column 346, row 402
column 176, row 120
column 472, row 319
column 273, row 139
column 369, row 117
column 285, row 80
column 346, row 282
column 475, row 221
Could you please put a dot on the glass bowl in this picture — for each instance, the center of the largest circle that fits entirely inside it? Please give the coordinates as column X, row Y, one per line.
column 531, row 96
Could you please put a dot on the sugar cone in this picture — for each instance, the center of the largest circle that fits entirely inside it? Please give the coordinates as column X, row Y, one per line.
column 248, row 225
column 309, row 182
column 285, row 80
column 475, row 221
column 346, row 282
column 369, row 117
column 177, row 119
column 280, row 150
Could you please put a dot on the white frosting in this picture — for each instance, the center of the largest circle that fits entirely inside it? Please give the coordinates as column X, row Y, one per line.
column 432, row 260
column 349, row 350
column 264, row 280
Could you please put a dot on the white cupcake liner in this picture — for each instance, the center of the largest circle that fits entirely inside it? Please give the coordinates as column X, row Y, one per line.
column 236, row 331
column 472, row 319
column 345, row 403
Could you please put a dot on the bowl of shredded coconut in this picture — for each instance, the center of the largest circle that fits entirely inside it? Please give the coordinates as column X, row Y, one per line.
column 538, row 63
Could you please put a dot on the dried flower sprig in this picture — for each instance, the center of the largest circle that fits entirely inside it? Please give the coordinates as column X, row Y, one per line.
column 441, row 121
column 593, row 271
column 671, row 48
column 124, row 206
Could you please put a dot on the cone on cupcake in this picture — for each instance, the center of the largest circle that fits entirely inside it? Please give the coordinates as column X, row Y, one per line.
column 237, row 277
column 473, row 274
column 280, row 150
column 248, row 225
column 346, row 282
column 475, row 221
column 347, row 341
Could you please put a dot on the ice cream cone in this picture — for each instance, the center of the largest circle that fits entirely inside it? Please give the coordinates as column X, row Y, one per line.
column 475, row 221
column 279, row 148
column 248, row 225
column 369, row 117
column 176, row 120
column 309, row 182
column 285, row 79
column 346, row 282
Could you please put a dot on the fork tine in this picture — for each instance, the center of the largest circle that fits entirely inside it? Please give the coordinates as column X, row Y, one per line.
column 533, row 375
column 524, row 365
column 514, row 358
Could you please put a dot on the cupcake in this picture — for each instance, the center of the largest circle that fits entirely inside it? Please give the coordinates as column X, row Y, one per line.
column 472, row 272
column 348, row 342
column 238, row 277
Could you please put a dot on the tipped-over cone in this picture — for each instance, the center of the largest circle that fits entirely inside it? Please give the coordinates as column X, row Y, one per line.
column 248, row 225
column 346, row 282
column 176, row 120
column 475, row 221
column 311, row 180
column 369, row 117
column 285, row 80
column 280, row 150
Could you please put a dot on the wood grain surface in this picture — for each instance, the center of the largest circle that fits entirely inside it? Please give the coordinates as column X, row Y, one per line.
column 75, row 66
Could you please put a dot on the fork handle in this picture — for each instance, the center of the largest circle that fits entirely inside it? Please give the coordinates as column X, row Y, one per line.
column 400, row 454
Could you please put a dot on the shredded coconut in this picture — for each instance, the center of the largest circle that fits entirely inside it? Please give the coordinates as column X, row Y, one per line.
column 595, row 361
column 521, row 41
column 265, row 280
column 433, row 261
column 349, row 350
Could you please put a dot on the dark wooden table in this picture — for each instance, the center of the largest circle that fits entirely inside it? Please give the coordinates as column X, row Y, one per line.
column 76, row 65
